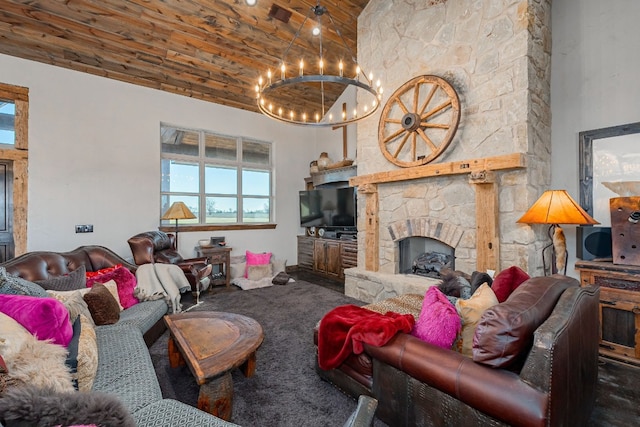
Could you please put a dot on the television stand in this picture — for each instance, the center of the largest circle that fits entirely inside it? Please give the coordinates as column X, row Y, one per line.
column 327, row 257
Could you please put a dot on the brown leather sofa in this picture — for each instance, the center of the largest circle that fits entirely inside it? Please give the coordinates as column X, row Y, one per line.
column 553, row 384
column 160, row 247
column 41, row 265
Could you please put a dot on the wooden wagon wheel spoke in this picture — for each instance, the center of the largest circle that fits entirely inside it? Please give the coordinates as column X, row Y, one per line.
column 428, row 100
column 434, row 126
column 427, row 140
column 404, row 141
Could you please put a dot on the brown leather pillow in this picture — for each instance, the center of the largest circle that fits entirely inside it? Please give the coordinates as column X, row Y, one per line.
column 103, row 306
column 504, row 333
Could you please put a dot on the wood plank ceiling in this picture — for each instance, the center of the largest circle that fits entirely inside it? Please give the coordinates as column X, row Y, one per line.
column 212, row 50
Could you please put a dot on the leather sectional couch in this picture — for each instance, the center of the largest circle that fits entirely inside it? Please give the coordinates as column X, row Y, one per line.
column 125, row 369
column 551, row 382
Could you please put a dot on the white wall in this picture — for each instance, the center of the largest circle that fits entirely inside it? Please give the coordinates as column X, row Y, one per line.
column 594, row 81
column 94, row 158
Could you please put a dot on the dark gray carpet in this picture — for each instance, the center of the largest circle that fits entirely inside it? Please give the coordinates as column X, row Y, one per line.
column 286, row 390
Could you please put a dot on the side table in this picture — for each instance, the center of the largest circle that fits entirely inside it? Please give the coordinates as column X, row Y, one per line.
column 218, row 255
column 619, row 307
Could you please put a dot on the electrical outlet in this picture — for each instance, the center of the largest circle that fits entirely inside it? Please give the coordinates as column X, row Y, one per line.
column 84, row 228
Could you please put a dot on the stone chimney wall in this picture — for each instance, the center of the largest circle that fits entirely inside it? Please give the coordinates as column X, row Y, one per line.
column 496, row 54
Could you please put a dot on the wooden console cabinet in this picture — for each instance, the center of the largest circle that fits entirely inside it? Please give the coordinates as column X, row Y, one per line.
column 619, row 307
column 328, row 257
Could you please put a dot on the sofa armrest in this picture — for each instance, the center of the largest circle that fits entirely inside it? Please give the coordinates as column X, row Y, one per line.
column 498, row 393
column 563, row 361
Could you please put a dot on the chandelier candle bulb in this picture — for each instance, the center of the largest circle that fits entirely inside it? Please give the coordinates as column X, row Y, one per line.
column 282, row 68
column 269, row 76
column 321, row 66
column 340, row 67
column 301, row 67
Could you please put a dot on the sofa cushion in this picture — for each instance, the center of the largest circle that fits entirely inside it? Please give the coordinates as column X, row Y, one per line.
column 504, row 333
column 45, row 318
column 470, row 311
column 144, row 315
column 74, row 280
column 103, row 306
column 507, row 281
column 126, row 369
column 439, row 322
column 171, row 413
column 125, row 281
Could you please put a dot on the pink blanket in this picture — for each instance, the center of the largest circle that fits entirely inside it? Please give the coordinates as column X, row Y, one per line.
column 345, row 329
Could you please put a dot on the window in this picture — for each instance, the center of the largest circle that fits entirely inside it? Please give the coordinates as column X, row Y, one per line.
column 224, row 180
column 7, row 122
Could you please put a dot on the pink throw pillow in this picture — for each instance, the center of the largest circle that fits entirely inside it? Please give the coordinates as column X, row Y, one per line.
column 439, row 322
column 507, row 281
column 256, row 259
column 125, row 281
column 45, row 318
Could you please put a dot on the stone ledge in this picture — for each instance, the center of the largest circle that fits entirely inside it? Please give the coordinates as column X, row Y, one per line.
column 370, row 286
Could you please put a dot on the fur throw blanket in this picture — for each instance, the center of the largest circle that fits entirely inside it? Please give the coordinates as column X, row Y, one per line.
column 166, row 279
column 345, row 329
column 38, row 407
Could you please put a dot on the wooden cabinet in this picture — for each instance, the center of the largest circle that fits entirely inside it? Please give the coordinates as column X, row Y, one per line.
column 328, row 257
column 305, row 252
column 619, row 307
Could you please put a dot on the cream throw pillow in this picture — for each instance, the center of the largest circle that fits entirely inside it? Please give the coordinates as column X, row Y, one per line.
column 470, row 310
column 257, row 272
column 74, row 303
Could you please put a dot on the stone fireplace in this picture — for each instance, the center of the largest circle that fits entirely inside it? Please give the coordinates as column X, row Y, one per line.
column 497, row 57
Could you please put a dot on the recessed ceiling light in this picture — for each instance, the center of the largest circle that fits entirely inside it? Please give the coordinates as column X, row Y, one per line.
column 251, row 2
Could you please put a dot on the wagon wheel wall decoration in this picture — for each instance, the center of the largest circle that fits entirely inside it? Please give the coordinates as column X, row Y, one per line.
column 419, row 121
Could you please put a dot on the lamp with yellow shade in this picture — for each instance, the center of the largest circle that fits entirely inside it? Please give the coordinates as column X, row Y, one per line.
column 178, row 210
column 556, row 207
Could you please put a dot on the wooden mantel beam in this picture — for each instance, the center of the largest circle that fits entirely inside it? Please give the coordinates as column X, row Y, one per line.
column 508, row 161
column 480, row 175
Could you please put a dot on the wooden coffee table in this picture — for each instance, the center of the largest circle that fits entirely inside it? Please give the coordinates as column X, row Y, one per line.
column 212, row 343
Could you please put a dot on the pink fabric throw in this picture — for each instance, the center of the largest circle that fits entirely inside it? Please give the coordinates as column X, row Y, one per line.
column 45, row 318
column 125, row 281
column 345, row 330
column 256, row 259
column 439, row 322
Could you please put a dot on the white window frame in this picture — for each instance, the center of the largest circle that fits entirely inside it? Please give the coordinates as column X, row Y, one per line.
column 239, row 164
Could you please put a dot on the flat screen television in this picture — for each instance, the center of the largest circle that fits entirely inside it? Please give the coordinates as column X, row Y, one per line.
column 330, row 208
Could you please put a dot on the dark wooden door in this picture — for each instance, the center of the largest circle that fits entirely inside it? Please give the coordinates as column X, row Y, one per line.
column 6, row 210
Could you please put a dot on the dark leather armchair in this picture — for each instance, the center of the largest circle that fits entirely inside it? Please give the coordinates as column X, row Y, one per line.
column 158, row 246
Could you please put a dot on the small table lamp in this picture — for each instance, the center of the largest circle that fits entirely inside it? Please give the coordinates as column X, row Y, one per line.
column 556, row 207
column 178, row 210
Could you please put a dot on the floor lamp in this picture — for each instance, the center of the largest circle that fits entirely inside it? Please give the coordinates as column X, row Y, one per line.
column 556, row 207
column 178, row 210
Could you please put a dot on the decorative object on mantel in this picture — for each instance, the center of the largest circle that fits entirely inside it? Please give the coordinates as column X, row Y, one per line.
column 418, row 121
column 324, row 161
column 556, row 207
column 624, row 188
column 178, row 210
column 314, row 81
column 313, row 167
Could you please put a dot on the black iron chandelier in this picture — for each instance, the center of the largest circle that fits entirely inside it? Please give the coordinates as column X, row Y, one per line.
column 317, row 85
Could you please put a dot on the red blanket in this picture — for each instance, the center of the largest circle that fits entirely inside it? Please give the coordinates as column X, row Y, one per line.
column 345, row 329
